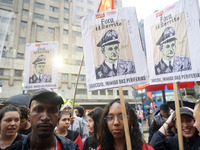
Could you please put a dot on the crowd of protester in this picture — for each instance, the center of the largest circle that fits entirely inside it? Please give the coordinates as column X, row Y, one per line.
column 48, row 124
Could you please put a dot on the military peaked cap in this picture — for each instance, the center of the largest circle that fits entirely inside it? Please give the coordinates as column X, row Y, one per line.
column 167, row 36
column 40, row 59
column 110, row 37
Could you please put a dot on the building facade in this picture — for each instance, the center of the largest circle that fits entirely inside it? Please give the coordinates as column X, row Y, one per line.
column 51, row 20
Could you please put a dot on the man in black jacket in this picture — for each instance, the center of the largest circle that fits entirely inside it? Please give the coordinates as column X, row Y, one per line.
column 159, row 119
column 44, row 112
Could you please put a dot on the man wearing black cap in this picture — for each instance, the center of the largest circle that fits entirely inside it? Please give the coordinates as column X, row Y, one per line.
column 39, row 76
column 112, row 65
column 44, row 112
column 191, row 141
column 169, row 62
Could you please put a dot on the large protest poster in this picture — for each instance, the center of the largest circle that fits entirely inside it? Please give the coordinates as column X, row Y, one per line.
column 5, row 19
column 172, row 42
column 112, row 48
column 40, row 70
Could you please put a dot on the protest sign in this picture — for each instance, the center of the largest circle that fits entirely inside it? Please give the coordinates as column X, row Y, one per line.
column 172, row 41
column 5, row 18
column 112, row 49
column 40, row 71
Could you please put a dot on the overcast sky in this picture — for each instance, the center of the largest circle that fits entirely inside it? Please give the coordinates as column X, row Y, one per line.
column 145, row 8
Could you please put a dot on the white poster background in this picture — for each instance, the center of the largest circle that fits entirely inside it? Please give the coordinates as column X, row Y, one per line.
column 34, row 52
column 183, row 16
column 124, row 22
column 5, row 18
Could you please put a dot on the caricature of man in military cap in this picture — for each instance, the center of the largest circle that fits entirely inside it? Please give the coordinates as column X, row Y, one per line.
column 39, row 76
column 112, row 65
column 169, row 62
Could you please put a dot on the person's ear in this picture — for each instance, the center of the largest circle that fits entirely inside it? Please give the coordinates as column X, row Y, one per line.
column 28, row 114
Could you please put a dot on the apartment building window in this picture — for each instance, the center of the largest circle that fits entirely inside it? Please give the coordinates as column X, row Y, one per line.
column 18, row 73
column 66, row 10
column 54, row 9
column 51, row 30
column 79, row 0
column 38, row 16
column 94, row 92
column 102, row 92
column 65, row 32
column 7, row 1
column 65, row 46
column 78, row 34
column 2, row 37
column 115, row 2
column 80, row 49
column 20, row 55
column 90, row 11
column 4, row 19
column 23, row 24
column 53, row 20
column 1, row 71
column 25, row 12
column 40, row 28
column 81, row 92
column 110, row 92
column 56, row 0
column 79, row 8
column 5, row 10
column 64, row 76
column 78, row 62
column 77, row 17
column 22, row 40
column 74, row 77
column 66, row 21
column 82, row 78
column 125, row 92
column 90, row 2
column 26, row 1
column 39, row 5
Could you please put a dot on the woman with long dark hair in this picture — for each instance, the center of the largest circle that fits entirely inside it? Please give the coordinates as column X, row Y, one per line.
column 93, row 124
column 112, row 128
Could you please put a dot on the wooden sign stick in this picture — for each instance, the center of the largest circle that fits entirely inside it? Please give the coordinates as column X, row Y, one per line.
column 178, row 117
column 76, row 88
column 181, row 96
column 125, row 120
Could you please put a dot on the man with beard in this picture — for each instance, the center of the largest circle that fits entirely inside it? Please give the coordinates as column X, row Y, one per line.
column 112, row 65
column 169, row 62
column 44, row 112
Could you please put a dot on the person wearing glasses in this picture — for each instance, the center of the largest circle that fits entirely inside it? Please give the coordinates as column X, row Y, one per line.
column 112, row 128
column 112, row 65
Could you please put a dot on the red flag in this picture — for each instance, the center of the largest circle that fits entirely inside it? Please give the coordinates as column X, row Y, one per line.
column 106, row 5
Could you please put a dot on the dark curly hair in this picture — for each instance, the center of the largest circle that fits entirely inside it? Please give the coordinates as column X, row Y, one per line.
column 106, row 138
column 8, row 108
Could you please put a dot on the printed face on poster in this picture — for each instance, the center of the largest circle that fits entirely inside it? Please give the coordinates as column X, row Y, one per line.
column 40, row 72
column 113, row 50
column 171, row 39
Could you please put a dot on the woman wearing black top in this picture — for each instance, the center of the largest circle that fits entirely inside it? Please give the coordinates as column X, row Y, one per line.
column 91, row 143
column 9, row 125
